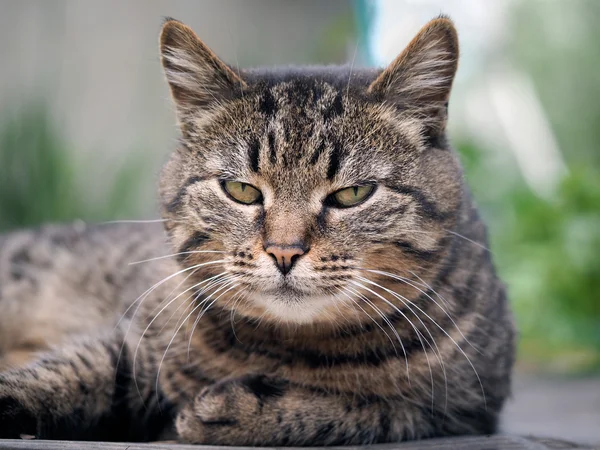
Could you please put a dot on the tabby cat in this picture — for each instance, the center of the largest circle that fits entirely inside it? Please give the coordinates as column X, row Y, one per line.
column 322, row 277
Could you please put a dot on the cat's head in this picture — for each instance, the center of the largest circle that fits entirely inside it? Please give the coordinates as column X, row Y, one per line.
column 293, row 190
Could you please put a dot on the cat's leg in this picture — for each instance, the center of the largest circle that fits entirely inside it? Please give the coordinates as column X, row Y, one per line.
column 257, row 410
column 83, row 390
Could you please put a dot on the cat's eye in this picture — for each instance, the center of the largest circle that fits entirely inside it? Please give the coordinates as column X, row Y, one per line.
column 242, row 192
column 351, row 196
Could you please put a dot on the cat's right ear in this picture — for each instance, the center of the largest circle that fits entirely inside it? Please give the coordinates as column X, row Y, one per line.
column 419, row 80
column 197, row 77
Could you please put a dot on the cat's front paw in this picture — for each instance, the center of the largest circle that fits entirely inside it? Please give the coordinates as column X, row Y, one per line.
column 232, row 412
column 15, row 419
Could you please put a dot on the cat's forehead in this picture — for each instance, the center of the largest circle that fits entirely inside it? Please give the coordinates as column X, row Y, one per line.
column 313, row 93
column 304, row 99
column 307, row 129
column 303, row 131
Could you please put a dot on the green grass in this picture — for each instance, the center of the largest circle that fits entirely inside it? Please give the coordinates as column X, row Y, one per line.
column 40, row 183
column 548, row 253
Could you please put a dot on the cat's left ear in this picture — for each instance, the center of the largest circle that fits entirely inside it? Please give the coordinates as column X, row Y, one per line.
column 419, row 80
column 197, row 77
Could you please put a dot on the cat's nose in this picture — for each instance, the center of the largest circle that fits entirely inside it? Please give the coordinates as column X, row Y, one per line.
column 285, row 256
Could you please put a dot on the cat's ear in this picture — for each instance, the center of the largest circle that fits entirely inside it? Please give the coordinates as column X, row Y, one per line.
column 197, row 77
column 419, row 80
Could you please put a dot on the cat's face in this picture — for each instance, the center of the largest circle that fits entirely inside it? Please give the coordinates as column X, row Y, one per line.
column 305, row 184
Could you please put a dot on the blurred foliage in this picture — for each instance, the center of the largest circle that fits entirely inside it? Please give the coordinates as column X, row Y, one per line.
column 557, row 45
column 334, row 45
column 551, row 251
column 548, row 250
column 39, row 182
column 547, row 253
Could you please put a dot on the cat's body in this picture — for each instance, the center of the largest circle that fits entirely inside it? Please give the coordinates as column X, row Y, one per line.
column 296, row 312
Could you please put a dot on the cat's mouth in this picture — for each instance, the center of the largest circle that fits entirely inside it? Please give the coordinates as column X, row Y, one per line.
column 293, row 286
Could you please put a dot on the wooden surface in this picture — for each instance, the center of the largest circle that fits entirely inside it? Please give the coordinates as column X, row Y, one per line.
column 498, row 442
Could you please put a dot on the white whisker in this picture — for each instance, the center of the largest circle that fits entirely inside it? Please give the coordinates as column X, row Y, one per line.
column 420, row 335
column 145, row 294
column 164, row 280
column 213, row 285
column 231, row 283
column 387, row 321
column 409, row 282
column 174, row 254
column 173, row 338
column 237, row 298
column 137, row 221
column 154, row 319
column 468, row 240
column 445, row 333
column 171, row 293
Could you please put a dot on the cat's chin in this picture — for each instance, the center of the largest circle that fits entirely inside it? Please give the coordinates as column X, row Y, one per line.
column 295, row 307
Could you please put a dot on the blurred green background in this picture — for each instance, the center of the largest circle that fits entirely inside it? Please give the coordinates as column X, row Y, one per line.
column 86, row 123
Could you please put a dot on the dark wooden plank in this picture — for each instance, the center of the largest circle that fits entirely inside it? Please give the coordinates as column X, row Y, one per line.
column 497, row 442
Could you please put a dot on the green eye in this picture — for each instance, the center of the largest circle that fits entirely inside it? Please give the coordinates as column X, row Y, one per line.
column 351, row 196
column 242, row 192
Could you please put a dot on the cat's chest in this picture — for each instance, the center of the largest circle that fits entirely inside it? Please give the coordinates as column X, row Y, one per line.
column 217, row 354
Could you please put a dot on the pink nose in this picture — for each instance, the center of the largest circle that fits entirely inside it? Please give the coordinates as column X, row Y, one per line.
column 285, row 256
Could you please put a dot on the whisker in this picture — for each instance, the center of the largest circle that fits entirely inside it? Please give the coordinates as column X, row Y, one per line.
column 145, row 294
column 174, row 254
column 215, row 285
column 478, row 244
column 137, row 221
column 173, row 338
column 343, row 291
column 150, row 324
column 211, row 279
column 172, row 292
column 426, row 285
column 420, row 335
column 236, row 300
column 352, row 291
column 442, row 330
column 231, row 283
column 164, row 280
column 406, row 318
column 337, row 307
column 454, row 233
column 409, row 282
column 170, row 343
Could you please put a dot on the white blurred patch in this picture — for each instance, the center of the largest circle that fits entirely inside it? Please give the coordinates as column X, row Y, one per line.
column 493, row 101
column 527, row 130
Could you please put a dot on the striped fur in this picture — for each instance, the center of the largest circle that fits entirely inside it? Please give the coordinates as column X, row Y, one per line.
column 392, row 324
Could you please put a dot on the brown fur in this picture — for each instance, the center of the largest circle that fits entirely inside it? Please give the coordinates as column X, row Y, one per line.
column 391, row 325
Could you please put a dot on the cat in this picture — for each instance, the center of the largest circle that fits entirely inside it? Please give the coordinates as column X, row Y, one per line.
column 320, row 276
